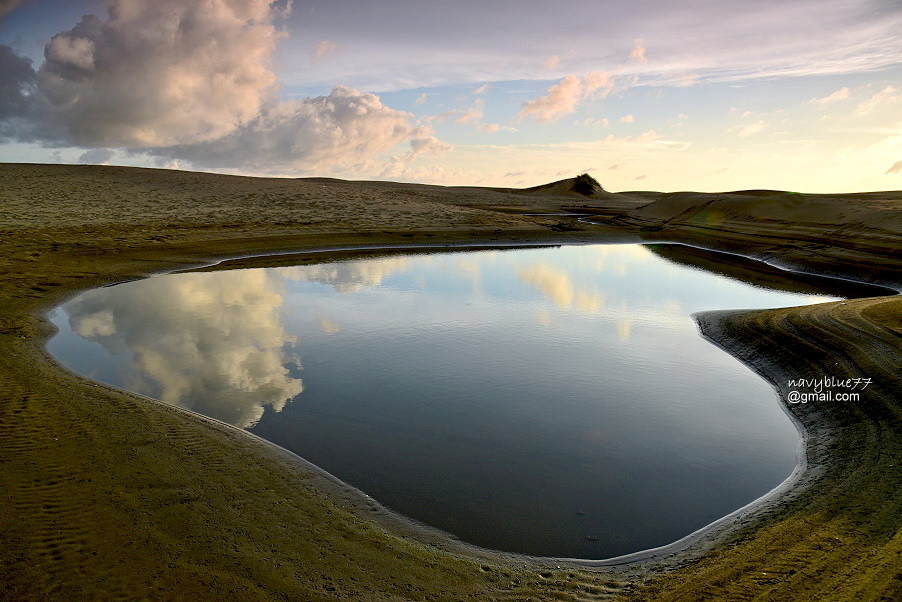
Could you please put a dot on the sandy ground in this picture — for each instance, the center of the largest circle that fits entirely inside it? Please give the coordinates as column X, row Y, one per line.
column 108, row 495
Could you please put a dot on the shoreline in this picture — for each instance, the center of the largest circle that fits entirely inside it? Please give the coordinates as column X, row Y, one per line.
column 840, row 450
column 107, row 495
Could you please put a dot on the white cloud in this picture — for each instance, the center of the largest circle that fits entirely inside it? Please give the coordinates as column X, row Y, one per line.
column 345, row 128
column 638, row 52
column 598, row 80
column 159, row 73
column 895, row 168
column 627, row 119
column 321, row 49
column 562, row 98
column 191, row 81
column 422, row 141
column 887, row 95
column 841, row 94
column 421, row 99
column 649, row 136
column 491, row 128
column 481, row 89
column 73, row 50
column 551, row 62
column 469, row 117
column 602, row 122
column 559, row 100
column 752, row 129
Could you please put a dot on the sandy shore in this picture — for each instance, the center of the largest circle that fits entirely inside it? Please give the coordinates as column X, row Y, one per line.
column 111, row 495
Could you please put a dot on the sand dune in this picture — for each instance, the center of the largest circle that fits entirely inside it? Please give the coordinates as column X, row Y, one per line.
column 108, row 495
column 824, row 234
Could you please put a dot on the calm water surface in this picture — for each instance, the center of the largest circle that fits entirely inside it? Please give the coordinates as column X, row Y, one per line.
column 554, row 401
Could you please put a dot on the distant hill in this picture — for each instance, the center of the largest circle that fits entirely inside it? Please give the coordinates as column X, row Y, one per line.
column 582, row 185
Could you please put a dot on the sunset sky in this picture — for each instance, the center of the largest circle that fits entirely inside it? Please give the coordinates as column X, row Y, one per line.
column 665, row 95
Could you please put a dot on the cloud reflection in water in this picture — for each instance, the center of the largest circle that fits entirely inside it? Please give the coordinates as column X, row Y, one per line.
column 212, row 342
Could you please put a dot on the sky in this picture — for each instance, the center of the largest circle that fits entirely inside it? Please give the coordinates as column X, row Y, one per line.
column 668, row 95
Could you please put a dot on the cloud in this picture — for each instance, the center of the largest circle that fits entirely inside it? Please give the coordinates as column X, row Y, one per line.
column 482, row 89
column 17, row 80
column 159, row 73
column 71, row 50
column 562, row 98
column 649, row 136
column 896, row 168
column 624, row 329
column 558, row 287
column 559, row 100
column 471, row 116
column 841, row 94
column 627, row 119
column 603, row 122
column 327, row 326
column 345, row 128
column 888, row 94
column 96, row 156
column 211, row 342
column 424, row 142
column 8, row 6
column 638, row 52
column 551, row 62
column 322, row 49
column 191, row 82
column 421, row 99
column 507, row 41
column 598, row 80
column 752, row 129
column 491, row 128
column 349, row 276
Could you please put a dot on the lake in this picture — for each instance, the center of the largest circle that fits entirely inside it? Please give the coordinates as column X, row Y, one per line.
column 554, row 401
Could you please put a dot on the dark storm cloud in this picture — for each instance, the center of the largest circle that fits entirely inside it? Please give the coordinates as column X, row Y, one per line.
column 17, row 80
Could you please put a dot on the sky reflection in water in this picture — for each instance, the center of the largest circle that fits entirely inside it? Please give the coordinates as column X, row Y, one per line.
column 554, row 401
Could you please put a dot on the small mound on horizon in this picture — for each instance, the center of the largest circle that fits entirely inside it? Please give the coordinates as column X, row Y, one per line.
column 581, row 185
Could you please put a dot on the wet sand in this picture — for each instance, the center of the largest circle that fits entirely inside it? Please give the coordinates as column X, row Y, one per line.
column 111, row 495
